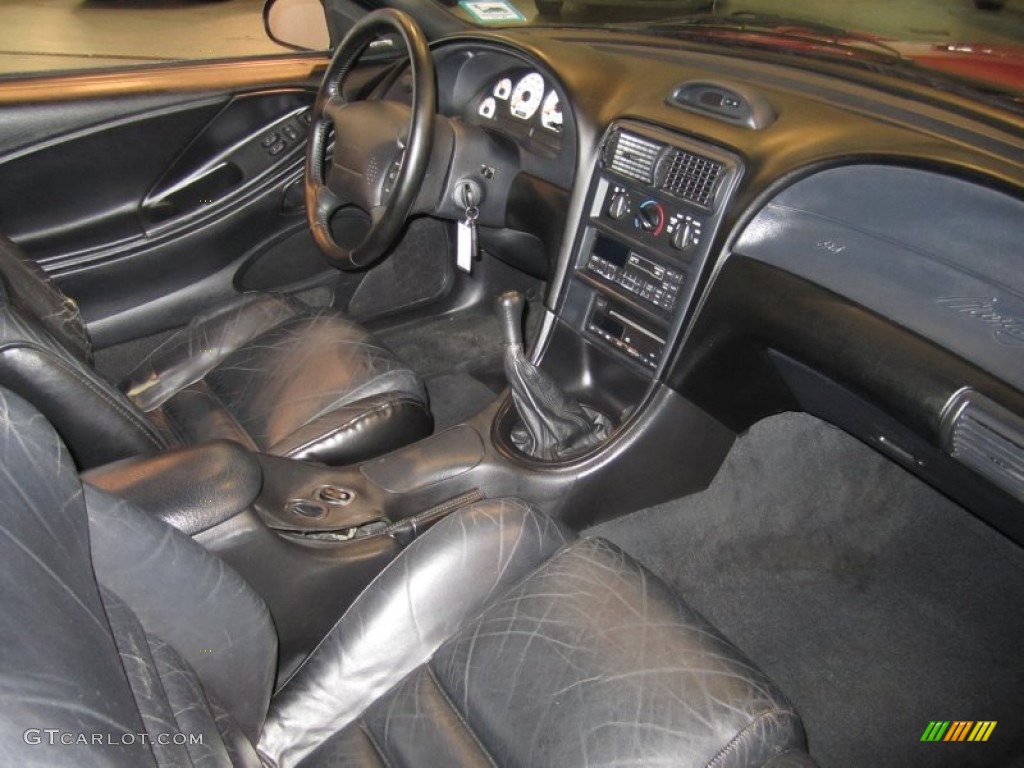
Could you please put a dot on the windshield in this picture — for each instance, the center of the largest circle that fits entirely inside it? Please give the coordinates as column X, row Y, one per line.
column 974, row 41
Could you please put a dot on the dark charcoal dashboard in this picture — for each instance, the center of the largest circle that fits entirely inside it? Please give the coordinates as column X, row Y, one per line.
column 759, row 237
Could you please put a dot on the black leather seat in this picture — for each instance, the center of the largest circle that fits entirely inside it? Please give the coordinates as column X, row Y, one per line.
column 497, row 638
column 265, row 370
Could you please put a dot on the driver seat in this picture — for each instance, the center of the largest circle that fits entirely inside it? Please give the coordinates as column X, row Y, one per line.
column 263, row 370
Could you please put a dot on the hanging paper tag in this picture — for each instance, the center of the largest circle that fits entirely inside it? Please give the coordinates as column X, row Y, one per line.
column 465, row 246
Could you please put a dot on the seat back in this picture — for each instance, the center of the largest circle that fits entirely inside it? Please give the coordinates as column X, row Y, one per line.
column 45, row 356
column 123, row 642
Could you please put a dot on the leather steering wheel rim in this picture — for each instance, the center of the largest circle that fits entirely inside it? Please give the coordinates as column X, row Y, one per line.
column 388, row 217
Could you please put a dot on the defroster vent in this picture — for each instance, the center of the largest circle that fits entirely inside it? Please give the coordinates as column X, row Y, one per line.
column 987, row 438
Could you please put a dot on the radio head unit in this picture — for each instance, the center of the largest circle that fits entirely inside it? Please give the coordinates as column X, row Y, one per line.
column 622, row 329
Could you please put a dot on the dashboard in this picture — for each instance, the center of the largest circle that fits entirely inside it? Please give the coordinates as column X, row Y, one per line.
column 761, row 237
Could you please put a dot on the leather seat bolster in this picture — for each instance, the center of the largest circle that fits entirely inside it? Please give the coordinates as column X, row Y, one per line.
column 358, row 431
column 59, row 668
column 625, row 669
column 627, row 664
column 304, row 369
column 96, row 421
column 191, row 353
column 196, row 415
column 213, row 618
column 414, row 605
column 314, row 386
column 589, row 659
column 28, row 288
column 166, row 692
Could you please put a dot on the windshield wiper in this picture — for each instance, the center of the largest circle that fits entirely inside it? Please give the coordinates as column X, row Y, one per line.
column 796, row 30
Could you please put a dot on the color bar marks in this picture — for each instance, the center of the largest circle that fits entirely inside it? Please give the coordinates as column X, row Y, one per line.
column 935, row 731
column 958, row 730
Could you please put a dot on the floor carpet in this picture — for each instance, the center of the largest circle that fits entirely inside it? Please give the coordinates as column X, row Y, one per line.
column 876, row 604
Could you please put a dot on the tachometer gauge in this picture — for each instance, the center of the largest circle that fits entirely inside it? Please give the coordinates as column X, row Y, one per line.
column 527, row 96
column 551, row 113
column 503, row 89
column 488, row 107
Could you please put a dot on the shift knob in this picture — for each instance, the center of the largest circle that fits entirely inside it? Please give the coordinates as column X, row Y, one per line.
column 509, row 307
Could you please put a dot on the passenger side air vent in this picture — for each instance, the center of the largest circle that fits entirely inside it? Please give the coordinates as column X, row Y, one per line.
column 632, row 156
column 987, row 438
column 691, row 177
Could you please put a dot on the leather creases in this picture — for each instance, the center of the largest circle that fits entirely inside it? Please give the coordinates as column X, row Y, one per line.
column 553, row 426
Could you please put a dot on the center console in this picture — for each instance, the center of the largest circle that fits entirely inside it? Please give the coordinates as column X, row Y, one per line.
column 653, row 210
column 642, row 251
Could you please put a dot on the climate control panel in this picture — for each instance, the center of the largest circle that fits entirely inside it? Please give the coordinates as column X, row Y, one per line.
column 648, row 217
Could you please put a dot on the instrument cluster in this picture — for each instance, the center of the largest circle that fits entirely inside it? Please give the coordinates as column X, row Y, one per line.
column 525, row 104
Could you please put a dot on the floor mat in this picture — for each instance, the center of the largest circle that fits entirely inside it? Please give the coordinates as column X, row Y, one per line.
column 877, row 604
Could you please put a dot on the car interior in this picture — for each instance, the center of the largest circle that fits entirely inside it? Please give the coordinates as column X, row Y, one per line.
column 515, row 395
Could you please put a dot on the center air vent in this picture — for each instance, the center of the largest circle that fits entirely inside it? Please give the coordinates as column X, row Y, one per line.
column 686, row 175
column 632, row 156
column 691, row 177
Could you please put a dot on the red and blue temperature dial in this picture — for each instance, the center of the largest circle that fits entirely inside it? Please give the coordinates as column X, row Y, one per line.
column 650, row 217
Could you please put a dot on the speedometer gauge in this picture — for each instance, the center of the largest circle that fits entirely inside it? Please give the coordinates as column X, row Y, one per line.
column 551, row 113
column 527, row 96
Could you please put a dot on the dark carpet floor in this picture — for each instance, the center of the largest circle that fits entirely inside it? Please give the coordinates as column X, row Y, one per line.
column 454, row 354
column 460, row 358
column 874, row 602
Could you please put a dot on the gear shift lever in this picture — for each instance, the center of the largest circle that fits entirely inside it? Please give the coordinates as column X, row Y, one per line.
column 554, row 426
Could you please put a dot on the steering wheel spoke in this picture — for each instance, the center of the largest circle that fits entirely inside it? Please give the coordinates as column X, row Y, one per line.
column 334, row 108
column 377, row 213
column 381, row 148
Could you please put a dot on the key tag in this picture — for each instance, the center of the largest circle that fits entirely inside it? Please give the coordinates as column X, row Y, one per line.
column 465, row 241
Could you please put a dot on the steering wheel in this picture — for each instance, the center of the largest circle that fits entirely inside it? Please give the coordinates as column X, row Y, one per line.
column 381, row 148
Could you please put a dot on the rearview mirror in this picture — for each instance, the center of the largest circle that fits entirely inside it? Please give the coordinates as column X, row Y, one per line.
column 296, row 24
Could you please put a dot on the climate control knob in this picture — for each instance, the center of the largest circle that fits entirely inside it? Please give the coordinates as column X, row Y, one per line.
column 619, row 205
column 682, row 238
column 650, row 217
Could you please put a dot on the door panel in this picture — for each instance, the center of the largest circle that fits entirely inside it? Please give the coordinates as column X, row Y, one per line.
column 143, row 195
column 82, row 191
